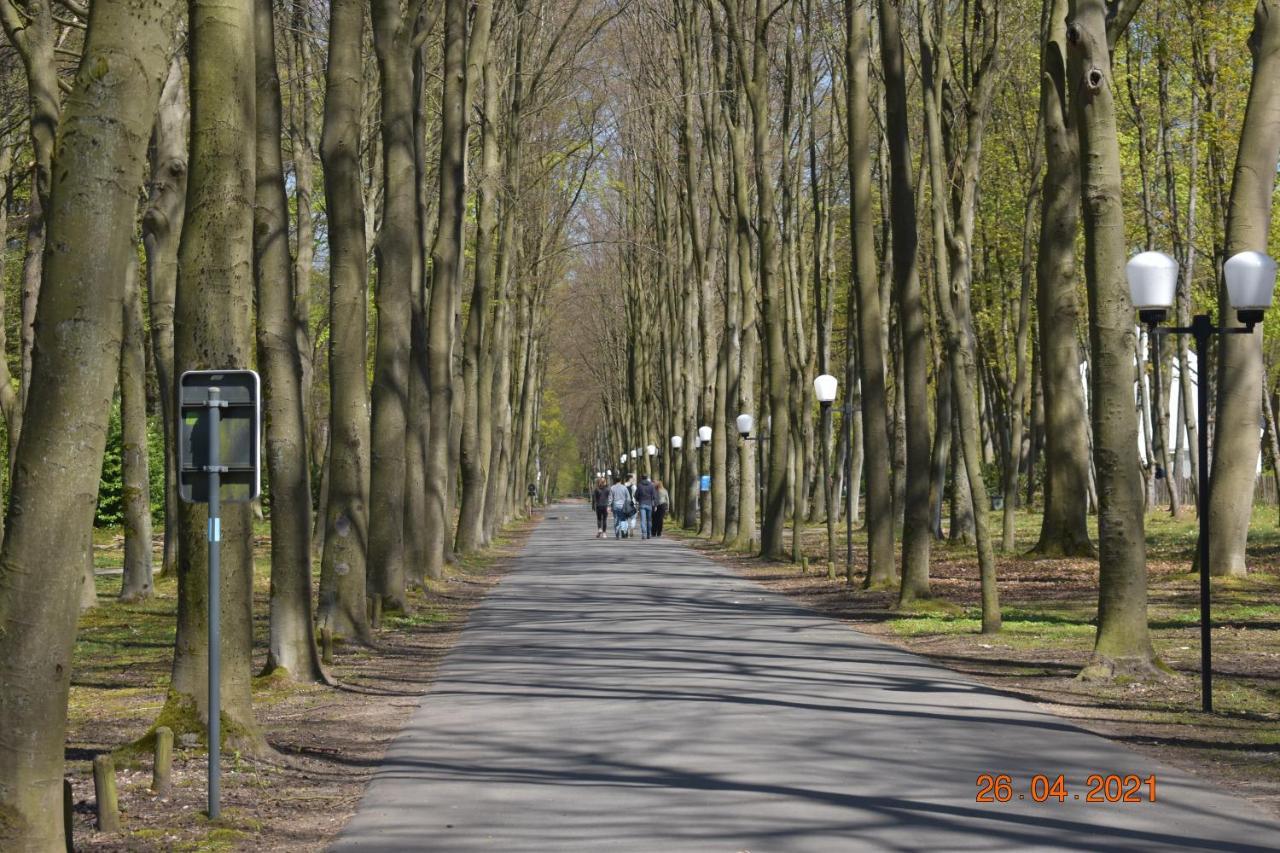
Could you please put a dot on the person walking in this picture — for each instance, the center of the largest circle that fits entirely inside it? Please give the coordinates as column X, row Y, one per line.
column 600, row 500
column 621, row 504
column 660, row 511
column 646, row 500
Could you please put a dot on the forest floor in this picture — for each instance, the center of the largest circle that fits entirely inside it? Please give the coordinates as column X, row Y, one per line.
column 1050, row 608
column 326, row 741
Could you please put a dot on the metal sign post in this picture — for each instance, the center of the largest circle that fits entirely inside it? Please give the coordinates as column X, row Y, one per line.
column 217, row 407
column 214, row 471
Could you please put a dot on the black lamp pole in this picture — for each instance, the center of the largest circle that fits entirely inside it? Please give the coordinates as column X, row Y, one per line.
column 1202, row 328
column 827, row 494
column 762, row 483
column 848, row 490
column 701, row 465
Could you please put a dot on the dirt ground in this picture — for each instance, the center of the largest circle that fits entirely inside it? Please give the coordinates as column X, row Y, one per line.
column 326, row 740
column 1049, row 609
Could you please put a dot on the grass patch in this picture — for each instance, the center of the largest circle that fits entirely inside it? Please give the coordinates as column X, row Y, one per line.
column 422, row 618
column 1024, row 628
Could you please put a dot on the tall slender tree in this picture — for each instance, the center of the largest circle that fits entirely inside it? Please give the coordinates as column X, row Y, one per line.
column 213, row 330
column 291, row 645
column 1063, row 527
column 446, row 266
column 342, row 569
column 881, row 567
column 1123, row 642
column 1236, row 436
column 914, row 375
column 101, row 166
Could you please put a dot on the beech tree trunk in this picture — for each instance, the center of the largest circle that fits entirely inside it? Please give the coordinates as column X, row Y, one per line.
column 749, row 352
column 101, row 166
column 291, row 645
column 881, row 567
column 212, row 329
column 31, row 31
column 914, row 375
column 342, row 569
column 1235, row 435
column 446, row 262
column 1123, row 644
column 477, row 415
column 1063, row 527
column 957, row 220
column 161, row 228
column 396, row 249
column 135, row 482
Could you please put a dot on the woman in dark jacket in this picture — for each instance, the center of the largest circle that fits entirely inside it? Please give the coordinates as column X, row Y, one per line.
column 600, row 499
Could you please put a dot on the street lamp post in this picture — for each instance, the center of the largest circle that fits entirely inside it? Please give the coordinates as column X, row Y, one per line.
column 675, row 464
column 746, row 423
column 824, row 388
column 849, row 498
column 1153, row 280
column 704, row 438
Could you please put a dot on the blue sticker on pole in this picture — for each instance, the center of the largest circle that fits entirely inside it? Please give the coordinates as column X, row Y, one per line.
column 215, row 530
column 705, row 484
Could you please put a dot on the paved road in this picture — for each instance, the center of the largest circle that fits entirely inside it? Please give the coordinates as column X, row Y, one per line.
column 635, row 696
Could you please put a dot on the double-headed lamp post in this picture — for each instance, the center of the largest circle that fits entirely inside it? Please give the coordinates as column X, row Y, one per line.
column 824, row 388
column 1153, row 281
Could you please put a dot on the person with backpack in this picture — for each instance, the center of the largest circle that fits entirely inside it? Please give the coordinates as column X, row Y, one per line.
column 660, row 511
column 646, row 500
column 600, row 500
column 622, row 505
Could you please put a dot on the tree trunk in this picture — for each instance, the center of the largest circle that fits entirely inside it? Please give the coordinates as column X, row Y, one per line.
column 1235, row 434
column 1123, row 644
column 914, row 375
column 396, row 249
column 212, row 329
column 136, row 484
column 342, row 569
column 300, row 69
column 446, row 262
column 9, row 401
column 749, row 349
column 291, row 646
column 101, row 168
column 1063, row 527
column 161, row 228
column 958, row 226
column 31, row 31
column 1273, row 441
column 881, row 567
column 477, row 417
column 419, row 415
column 940, row 460
column 1022, row 375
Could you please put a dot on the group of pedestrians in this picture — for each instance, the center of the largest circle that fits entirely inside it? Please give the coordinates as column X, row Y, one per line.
column 645, row 502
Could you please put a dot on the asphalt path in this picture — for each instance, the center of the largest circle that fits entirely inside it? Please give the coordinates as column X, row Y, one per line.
column 635, row 696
